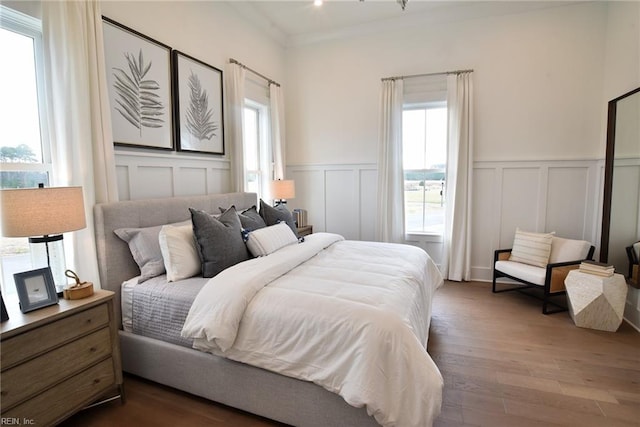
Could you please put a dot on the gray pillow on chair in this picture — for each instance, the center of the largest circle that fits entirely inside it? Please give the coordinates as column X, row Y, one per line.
column 219, row 241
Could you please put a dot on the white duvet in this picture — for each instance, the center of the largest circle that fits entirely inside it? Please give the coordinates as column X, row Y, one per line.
column 350, row 316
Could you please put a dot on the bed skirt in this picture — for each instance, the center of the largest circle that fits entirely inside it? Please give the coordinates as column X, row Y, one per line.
column 255, row 390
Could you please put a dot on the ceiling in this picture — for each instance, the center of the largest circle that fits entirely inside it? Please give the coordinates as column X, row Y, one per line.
column 297, row 22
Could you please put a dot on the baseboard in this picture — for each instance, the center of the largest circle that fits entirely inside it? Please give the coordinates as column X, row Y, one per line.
column 631, row 324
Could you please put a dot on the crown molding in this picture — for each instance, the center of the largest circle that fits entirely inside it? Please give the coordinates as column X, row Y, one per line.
column 251, row 14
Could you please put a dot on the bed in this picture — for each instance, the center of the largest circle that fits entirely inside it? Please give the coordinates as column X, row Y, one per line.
column 226, row 369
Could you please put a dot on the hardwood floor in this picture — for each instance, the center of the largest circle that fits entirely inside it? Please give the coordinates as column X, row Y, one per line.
column 506, row 364
column 503, row 363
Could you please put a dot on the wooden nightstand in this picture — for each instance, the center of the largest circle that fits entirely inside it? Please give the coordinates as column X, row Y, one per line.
column 58, row 359
column 304, row 231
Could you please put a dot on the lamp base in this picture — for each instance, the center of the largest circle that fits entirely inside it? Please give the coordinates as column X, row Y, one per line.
column 48, row 251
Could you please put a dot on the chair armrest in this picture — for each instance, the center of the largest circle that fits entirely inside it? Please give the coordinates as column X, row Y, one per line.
column 631, row 255
column 501, row 255
column 557, row 272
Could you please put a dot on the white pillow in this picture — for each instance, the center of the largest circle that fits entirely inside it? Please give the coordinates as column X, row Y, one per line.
column 563, row 250
column 179, row 252
column 269, row 239
column 531, row 248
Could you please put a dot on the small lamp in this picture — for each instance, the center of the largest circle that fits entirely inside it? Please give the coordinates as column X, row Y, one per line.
column 283, row 189
column 42, row 215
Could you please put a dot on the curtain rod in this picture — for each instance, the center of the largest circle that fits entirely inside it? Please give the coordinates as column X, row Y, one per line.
column 233, row 61
column 427, row 74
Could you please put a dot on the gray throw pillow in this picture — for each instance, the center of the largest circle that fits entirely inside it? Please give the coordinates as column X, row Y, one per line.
column 275, row 215
column 219, row 241
column 249, row 218
column 145, row 249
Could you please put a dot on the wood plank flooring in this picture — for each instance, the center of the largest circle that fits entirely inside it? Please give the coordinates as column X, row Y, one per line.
column 503, row 363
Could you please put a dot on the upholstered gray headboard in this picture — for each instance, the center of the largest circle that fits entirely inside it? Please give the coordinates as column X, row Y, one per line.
column 115, row 262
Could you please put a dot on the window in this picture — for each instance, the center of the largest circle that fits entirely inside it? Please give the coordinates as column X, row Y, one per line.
column 24, row 148
column 424, row 145
column 257, row 152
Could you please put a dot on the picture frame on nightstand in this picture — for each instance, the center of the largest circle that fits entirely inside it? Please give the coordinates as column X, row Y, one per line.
column 5, row 314
column 36, row 289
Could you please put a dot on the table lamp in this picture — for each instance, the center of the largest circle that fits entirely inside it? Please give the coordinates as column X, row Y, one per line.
column 281, row 190
column 42, row 215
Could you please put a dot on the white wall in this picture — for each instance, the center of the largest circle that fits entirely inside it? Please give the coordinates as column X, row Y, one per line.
column 538, row 83
column 212, row 32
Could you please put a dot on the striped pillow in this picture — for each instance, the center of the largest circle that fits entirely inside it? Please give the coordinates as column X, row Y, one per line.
column 269, row 239
column 531, row 248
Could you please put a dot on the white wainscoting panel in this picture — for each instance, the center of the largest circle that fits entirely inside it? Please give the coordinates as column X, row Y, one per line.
column 191, row 181
column 562, row 196
column 122, row 175
column 567, row 216
column 368, row 203
column 310, row 195
column 338, row 198
column 342, row 203
column 484, row 221
column 519, row 202
column 147, row 174
column 152, row 181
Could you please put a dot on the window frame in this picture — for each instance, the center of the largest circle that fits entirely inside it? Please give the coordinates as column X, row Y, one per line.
column 29, row 26
column 415, row 235
column 264, row 149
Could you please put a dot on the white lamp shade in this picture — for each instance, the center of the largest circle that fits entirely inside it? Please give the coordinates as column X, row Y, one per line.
column 283, row 189
column 29, row 212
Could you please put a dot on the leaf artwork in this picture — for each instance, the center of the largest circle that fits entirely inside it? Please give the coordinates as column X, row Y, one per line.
column 137, row 100
column 199, row 122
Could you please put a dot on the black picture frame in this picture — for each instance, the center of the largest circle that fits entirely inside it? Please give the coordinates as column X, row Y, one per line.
column 138, row 68
column 4, row 315
column 198, row 105
column 36, row 289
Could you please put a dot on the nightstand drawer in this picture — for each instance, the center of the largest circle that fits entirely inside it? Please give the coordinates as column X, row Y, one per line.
column 52, row 405
column 25, row 346
column 30, row 378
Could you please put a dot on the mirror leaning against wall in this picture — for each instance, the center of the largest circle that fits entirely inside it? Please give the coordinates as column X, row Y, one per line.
column 621, row 207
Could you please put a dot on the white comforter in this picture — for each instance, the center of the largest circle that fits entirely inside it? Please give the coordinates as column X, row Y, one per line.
column 350, row 316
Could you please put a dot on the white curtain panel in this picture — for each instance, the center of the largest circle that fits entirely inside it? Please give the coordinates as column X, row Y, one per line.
column 390, row 219
column 277, row 130
column 456, row 260
column 235, row 96
column 78, row 117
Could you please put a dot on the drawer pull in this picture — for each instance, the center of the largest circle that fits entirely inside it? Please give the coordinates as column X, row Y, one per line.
column 96, row 381
column 93, row 349
column 4, row 393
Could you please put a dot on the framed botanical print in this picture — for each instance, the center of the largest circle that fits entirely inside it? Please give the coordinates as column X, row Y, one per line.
column 139, row 83
column 198, row 105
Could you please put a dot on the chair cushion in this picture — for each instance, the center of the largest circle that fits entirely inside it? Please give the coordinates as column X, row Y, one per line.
column 531, row 248
column 529, row 273
column 563, row 250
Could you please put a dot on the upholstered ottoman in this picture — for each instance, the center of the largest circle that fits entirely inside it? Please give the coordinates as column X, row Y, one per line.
column 596, row 302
